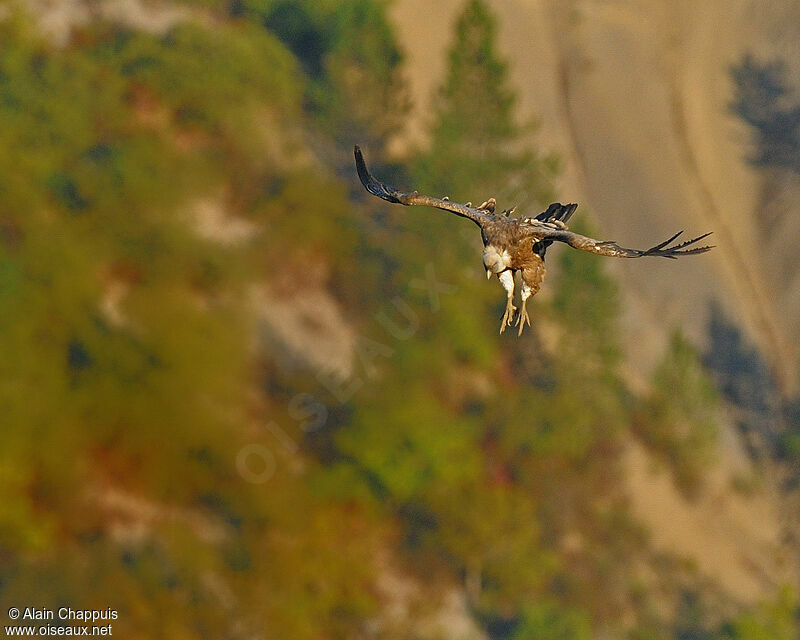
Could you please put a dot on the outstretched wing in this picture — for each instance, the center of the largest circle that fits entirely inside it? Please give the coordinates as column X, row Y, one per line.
column 610, row 248
column 390, row 194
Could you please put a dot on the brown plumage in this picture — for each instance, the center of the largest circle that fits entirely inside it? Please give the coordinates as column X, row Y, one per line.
column 514, row 245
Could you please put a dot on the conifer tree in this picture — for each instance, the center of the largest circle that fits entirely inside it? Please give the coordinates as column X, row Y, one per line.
column 365, row 96
column 477, row 147
column 350, row 53
column 680, row 416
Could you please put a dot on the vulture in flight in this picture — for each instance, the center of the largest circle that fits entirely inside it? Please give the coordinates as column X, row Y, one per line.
column 512, row 245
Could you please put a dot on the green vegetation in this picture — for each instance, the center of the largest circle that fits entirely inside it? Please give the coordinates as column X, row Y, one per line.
column 131, row 385
column 355, row 89
column 680, row 417
column 776, row 620
column 476, row 125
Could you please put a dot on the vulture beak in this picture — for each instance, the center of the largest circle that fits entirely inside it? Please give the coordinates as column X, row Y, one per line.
column 488, row 274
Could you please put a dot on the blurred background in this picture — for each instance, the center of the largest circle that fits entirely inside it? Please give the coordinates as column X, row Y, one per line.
column 240, row 398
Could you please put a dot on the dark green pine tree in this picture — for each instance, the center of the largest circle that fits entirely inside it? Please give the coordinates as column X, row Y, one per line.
column 364, row 98
column 477, row 148
column 348, row 50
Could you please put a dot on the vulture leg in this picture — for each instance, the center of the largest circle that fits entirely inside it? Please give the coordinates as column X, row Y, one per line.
column 523, row 314
column 507, row 280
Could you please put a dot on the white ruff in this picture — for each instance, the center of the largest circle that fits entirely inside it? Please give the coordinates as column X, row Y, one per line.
column 504, row 256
